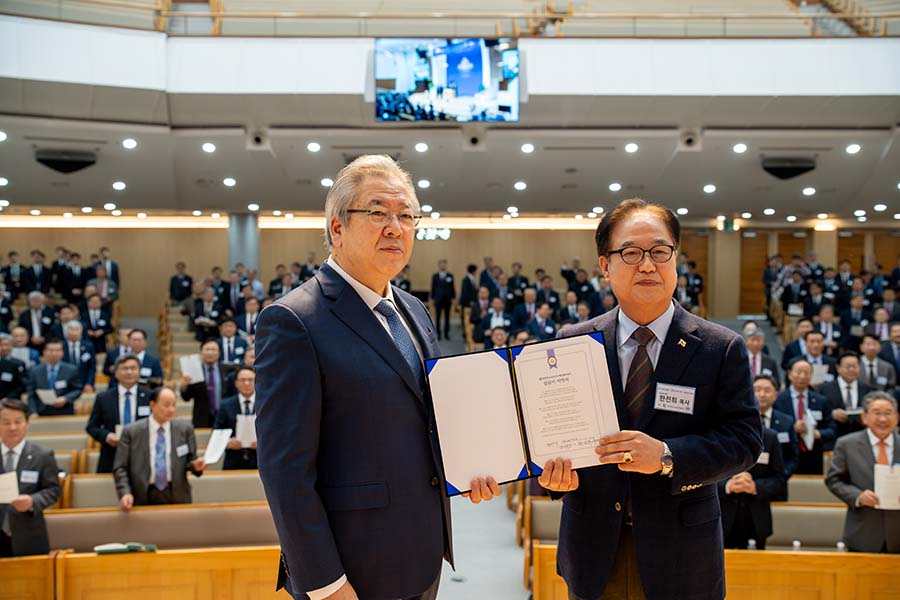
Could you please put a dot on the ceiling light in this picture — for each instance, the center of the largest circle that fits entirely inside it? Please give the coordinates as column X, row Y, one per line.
column 116, row 213
column 208, row 147
column 142, row 215
column 109, row 206
column 592, row 215
column 253, row 207
column 897, row 216
column 35, row 212
column 4, row 203
column 2, row 136
column 507, row 216
column 682, row 211
column 615, row 186
column 859, row 213
column 598, row 209
column 129, row 144
column 313, row 147
column 215, row 215
column 427, row 208
column 809, row 191
column 861, row 219
column 4, row 181
column 898, row 186
column 720, row 218
column 579, row 217
column 118, row 185
column 514, row 215
column 520, row 185
column 87, row 209
column 739, row 148
column 276, row 213
column 424, row 184
column 853, row 148
column 769, row 212
column 229, row 182
column 421, row 147
column 709, row 188
column 327, row 182
column 527, row 148
column 435, row 215
column 67, row 215
column 512, row 209
column 197, row 213
column 746, row 215
column 288, row 215
column 880, row 207
column 631, row 148
column 790, row 218
column 822, row 216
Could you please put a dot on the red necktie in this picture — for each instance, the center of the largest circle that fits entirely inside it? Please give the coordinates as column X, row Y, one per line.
column 800, row 418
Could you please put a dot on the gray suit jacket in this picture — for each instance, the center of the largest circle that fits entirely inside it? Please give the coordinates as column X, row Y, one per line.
column 131, row 468
column 37, row 379
column 853, row 471
column 29, row 532
column 882, row 369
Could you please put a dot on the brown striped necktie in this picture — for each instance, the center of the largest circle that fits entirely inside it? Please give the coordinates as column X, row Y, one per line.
column 640, row 374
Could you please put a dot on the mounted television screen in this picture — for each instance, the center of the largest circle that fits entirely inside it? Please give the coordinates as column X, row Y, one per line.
column 446, row 80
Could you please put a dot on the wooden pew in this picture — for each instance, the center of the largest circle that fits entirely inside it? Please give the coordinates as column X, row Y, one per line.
column 28, row 577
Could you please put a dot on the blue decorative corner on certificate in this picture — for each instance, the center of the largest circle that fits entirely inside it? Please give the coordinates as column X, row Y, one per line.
column 430, row 364
column 452, row 491
column 598, row 336
column 536, row 470
column 516, row 351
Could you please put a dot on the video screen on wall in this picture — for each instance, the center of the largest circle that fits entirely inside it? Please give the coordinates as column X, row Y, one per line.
column 446, row 80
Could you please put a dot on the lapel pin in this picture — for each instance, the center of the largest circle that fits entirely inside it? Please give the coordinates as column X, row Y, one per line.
column 682, row 343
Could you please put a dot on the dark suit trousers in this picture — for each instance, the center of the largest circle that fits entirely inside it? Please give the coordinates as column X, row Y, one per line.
column 155, row 496
column 430, row 593
column 624, row 581
column 5, row 546
column 743, row 530
column 443, row 307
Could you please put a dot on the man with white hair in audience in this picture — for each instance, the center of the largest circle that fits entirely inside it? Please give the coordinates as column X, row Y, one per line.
column 80, row 352
column 37, row 320
column 760, row 363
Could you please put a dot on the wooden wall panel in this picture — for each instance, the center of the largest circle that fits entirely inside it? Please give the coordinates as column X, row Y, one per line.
column 789, row 245
column 754, row 252
column 887, row 249
column 852, row 248
column 696, row 246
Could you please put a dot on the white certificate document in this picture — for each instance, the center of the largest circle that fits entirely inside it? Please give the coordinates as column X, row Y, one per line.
column 566, row 397
column 887, row 487
column 819, row 375
column 22, row 354
column 215, row 447
column 9, row 487
column 192, row 366
column 48, row 397
column 809, row 438
column 245, row 430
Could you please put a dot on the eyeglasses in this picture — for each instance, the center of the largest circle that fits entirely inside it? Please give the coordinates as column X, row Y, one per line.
column 381, row 217
column 634, row 255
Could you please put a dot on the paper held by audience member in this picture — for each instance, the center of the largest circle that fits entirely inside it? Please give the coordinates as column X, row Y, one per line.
column 192, row 367
column 119, row 428
column 9, row 487
column 48, row 397
column 215, row 447
column 809, row 438
column 22, row 354
column 246, row 430
column 887, row 487
column 820, row 375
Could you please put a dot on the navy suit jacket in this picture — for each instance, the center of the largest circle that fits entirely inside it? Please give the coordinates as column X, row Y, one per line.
column 151, row 368
column 782, row 423
column 539, row 332
column 347, row 449
column 226, row 418
column 105, row 416
column 675, row 519
column 48, row 319
column 443, row 292
column 68, row 385
column 814, row 402
column 240, row 348
column 86, row 361
column 104, row 323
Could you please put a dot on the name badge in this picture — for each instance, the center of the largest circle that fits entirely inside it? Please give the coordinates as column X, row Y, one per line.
column 101, row 322
column 186, row 283
column 506, row 322
column 835, row 334
column 816, row 414
column 449, row 278
column 828, row 294
column 548, row 329
column 46, row 320
column 767, row 372
column 61, row 385
column 85, row 357
column 554, row 300
column 239, row 350
column 829, row 377
column 763, row 458
column 881, row 380
column 181, row 450
column 523, row 285
column 214, row 313
column 145, row 371
column 4, row 310
column 675, row 398
column 6, row 376
column 29, row 477
column 510, row 296
column 143, row 411
column 784, row 437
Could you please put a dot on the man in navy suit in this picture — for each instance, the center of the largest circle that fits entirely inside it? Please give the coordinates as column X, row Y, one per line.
column 526, row 310
column 121, row 404
column 37, row 277
column 799, row 399
column 120, row 349
column 111, row 266
column 496, row 317
column 627, row 524
column 468, row 292
column 890, row 350
column 542, row 326
column 443, row 292
column 151, row 370
column 246, row 321
column 232, row 347
column 54, row 375
column 783, row 425
column 80, row 352
column 797, row 347
column 209, row 393
column 347, row 451
column 237, row 456
column 97, row 323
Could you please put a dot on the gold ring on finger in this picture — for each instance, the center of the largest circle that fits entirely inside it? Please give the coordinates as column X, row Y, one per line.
column 627, row 458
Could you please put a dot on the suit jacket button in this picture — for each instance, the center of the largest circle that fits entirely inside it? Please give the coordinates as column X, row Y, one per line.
column 618, row 507
column 434, row 482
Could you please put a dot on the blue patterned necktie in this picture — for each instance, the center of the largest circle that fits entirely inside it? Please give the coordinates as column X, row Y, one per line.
column 162, row 478
column 51, row 377
column 126, row 417
column 402, row 339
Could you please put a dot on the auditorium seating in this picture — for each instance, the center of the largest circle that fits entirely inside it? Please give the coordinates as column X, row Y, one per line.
column 809, row 488
column 817, row 527
column 119, row 16
column 61, row 441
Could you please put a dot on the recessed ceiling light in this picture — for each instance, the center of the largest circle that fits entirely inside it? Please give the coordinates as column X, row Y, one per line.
column 142, row 215
column 512, row 209
column 288, row 215
column 119, row 185
column 4, row 182
column 859, row 213
column 87, row 209
column 631, row 148
column 514, row 215
column 229, row 182
column 197, row 213
column 682, row 211
column 520, row 185
column 424, row 184
column 253, row 207
column 822, row 216
column 507, row 216
column 790, row 218
column 129, row 144
column 898, row 186
column 116, row 213
column 276, row 213
column 897, row 216
column 746, row 215
column 809, row 191
column 313, row 147
column 861, row 219
column 208, row 147
column 4, row 203
column 527, row 148
column 880, row 207
column 67, row 215
column 109, row 206
column 769, row 212
column 579, row 217
column 215, row 215
column 435, row 215
column 2, row 136
column 853, row 148
column 421, row 147
column 739, row 148
column 709, row 188
column 35, row 212
column 426, row 208
column 720, row 218
column 592, row 215
column 598, row 209
column 327, row 182
column 615, row 186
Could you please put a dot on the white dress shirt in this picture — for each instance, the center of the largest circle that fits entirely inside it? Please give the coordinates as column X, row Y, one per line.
column 17, row 453
column 154, row 429
column 134, row 396
column 627, row 347
column 35, row 322
column 848, row 393
column 889, row 446
column 767, row 417
column 242, row 399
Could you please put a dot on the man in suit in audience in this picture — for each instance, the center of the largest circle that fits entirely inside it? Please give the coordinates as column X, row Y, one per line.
column 231, row 294
column 120, row 405
column 831, row 330
column 517, row 282
column 890, row 350
column 816, row 299
column 97, row 323
column 526, row 311
column 180, row 284
column 151, row 369
column 880, row 326
column 54, row 375
column 37, row 277
column 542, row 326
column 206, row 316
column 38, row 319
column 782, row 424
column 468, row 292
column 845, row 395
column 815, row 356
column 276, row 285
column 486, row 278
column 443, row 292
column 246, row 321
column 122, row 347
column 851, row 477
column 58, row 268
column 760, row 363
column 794, row 293
column 6, row 312
column 875, row 372
column 111, row 266
column 13, row 372
column 890, row 303
column 237, row 456
column 496, row 317
column 22, row 528
column 568, row 312
column 107, row 289
column 73, row 280
column 310, row 268
column 154, row 456
column 797, row 400
column 12, row 275
column 854, row 321
column 21, row 349
column 208, row 394
column 232, row 347
column 797, row 347
column 549, row 295
column 80, row 352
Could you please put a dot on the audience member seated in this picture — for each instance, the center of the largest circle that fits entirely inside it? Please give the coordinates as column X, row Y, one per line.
column 180, row 284
column 122, row 348
column 231, row 346
column 238, row 456
column 37, row 277
column 37, row 320
column 568, row 312
column 232, row 298
column 120, row 405
column 549, row 295
column 797, row 400
column 207, row 395
column 107, row 289
column 581, row 286
column 890, row 303
column 154, row 456
column 246, row 321
column 782, row 424
column 760, row 363
column 527, row 310
column 20, row 348
column 831, row 330
column 569, row 273
column 684, row 294
column 851, row 477
column 479, row 309
column 845, row 395
column 206, row 316
column 880, row 325
column 97, row 323
column 822, row 364
column 498, row 337
column 256, row 286
column 309, row 268
column 506, row 293
column 246, row 361
column 796, row 348
column 22, row 528
column 496, row 317
column 80, row 352
column 542, row 326
column 815, row 300
column 65, row 313
column 276, row 285
column 53, row 375
column 794, row 295
column 876, row 372
column 151, row 370
column 13, row 372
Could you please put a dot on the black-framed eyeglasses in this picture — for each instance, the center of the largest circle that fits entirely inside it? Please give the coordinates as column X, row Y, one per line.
column 634, row 255
column 380, row 217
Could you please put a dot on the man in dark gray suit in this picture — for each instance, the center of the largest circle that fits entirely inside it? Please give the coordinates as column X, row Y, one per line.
column 54, row 375
column 154, row 456
column 22, row 528
column 851, row 477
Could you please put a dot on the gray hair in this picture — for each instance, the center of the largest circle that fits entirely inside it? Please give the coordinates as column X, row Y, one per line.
column 73, row 325
column 346, row 185
column 5, row 336
column 35, row 294
column 754, row 332
column 878, row 395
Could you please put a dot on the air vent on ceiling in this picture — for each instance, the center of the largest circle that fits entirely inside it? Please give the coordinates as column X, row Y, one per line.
column 570, row 170
column 570, row 186
column 204, row 183
column 303, row 181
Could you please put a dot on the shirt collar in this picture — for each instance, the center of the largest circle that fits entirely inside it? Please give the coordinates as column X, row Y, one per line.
column 874, row 439
column 371, row 298
column 140, row 356
column 242, row 399
column 768, row 413
column 659, row 326
column 18, row 449
column 123, row 389
column 154, row 426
